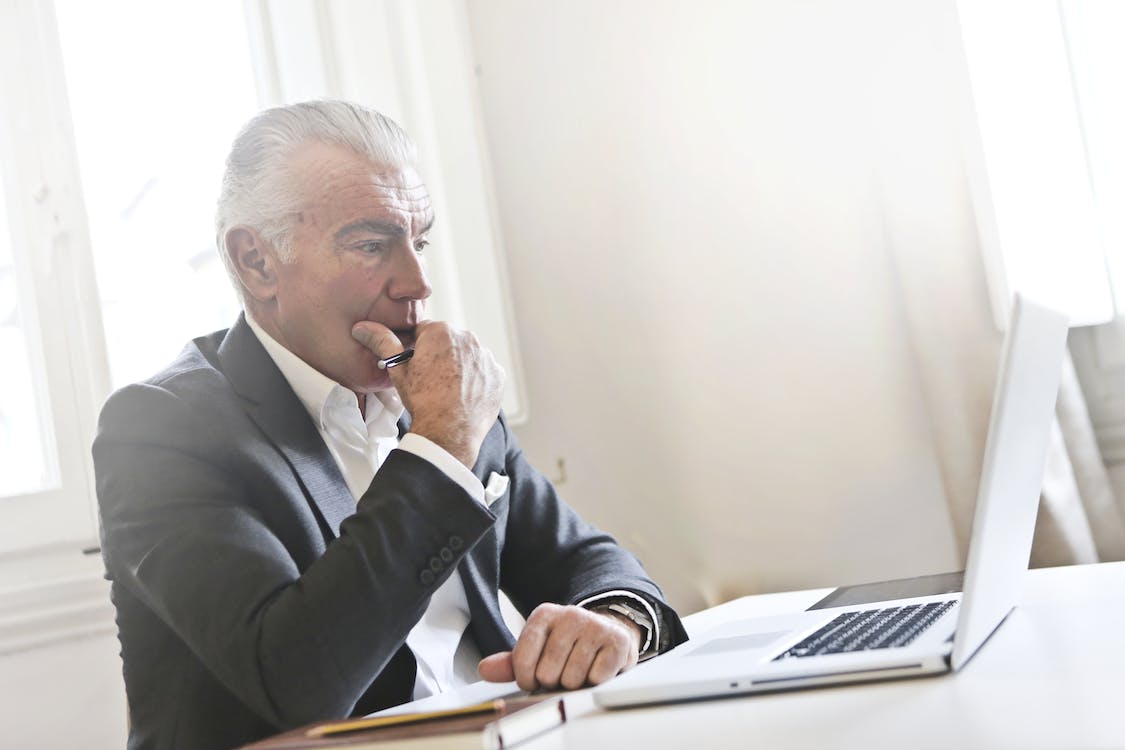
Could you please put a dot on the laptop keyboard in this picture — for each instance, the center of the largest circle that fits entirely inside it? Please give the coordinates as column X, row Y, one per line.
column 869, row 629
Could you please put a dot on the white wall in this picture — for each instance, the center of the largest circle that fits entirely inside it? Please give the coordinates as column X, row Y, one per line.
column 60, row 669
column 718, row 250
column 65, row 695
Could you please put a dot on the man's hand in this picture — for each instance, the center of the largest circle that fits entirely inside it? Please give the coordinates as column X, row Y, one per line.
column 452, row 387
column 566, row 647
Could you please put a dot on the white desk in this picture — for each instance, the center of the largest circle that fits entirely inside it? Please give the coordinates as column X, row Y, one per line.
column 1052, row 676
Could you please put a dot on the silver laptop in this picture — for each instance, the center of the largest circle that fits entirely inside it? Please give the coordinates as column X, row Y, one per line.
column 903, row 637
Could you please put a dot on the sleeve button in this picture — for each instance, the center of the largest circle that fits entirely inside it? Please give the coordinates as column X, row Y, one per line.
column 456, row 543
column 435, row 565
column 446, row 555
column 427, row 578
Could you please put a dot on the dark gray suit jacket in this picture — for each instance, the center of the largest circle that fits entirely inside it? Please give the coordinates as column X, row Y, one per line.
column 254, row 595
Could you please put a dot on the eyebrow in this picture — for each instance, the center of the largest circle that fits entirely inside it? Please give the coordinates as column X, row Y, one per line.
column 374, row 226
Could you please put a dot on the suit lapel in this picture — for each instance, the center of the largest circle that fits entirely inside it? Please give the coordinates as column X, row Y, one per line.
column 279, row 414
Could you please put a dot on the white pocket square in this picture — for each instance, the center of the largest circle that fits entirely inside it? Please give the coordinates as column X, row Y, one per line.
column 497, row 486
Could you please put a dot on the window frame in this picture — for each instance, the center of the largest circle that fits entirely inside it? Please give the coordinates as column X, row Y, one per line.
column 51, row 247
column 51, row 537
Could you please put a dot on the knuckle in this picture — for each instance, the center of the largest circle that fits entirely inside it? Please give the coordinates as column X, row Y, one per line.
column 558, row 650
column 545, row 678
column 549, row 609
column 571, row 681
column 539, row 617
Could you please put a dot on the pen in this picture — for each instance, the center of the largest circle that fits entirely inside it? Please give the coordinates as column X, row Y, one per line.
column 396, row 360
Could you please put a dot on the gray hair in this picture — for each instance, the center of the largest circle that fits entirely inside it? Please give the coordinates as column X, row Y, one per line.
column 258, row 187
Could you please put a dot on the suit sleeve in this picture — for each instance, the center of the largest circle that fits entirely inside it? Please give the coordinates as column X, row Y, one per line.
column 551, row 555
column 184, row 533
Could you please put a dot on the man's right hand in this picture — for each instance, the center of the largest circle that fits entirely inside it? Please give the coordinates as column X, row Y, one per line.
column 452, row 386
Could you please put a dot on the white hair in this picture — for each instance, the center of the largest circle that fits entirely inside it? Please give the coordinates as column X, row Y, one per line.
column 259, row 188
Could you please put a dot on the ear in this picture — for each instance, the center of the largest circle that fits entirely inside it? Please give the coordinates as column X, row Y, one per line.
column 254, row 261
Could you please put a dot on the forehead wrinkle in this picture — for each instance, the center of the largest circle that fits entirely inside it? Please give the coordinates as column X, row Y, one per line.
column 326, row 175
column 402, row 212
column 372, row 226
column 355, row 195
column 391, row 222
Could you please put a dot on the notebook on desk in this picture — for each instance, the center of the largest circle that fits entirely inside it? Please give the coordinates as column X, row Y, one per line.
column 903, row 637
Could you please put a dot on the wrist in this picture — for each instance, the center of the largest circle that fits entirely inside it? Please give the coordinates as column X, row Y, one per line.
column 633, row 628
column 634, row 621
column 452, row 441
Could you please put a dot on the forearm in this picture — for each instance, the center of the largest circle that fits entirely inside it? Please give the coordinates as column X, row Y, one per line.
column 359, row 601
column 294, row 639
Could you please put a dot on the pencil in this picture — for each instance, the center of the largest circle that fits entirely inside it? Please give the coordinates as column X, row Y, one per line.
column 374, row 722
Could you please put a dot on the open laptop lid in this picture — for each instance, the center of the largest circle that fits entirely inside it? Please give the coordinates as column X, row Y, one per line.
column 1015, row 453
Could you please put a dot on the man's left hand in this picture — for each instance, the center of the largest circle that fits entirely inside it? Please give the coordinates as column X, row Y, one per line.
column 566, row 646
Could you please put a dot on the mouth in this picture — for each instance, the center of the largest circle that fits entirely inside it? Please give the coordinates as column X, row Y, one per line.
column 405, row 335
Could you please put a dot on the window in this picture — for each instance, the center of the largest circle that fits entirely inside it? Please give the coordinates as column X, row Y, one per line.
column 1027, row 164
column 151, row 139
column 50, row 340
column 25, row 412
column 1094, row 29
column 117, row 118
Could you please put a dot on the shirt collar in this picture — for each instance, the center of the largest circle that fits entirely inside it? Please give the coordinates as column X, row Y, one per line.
column 315, row 390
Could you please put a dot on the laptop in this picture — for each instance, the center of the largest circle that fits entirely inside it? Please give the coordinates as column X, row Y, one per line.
column 904, row 637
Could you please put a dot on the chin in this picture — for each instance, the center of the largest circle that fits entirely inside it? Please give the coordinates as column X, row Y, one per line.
column 376, row 380
column 364, row 376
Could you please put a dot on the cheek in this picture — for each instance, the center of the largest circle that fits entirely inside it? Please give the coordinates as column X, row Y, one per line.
column 351, row 292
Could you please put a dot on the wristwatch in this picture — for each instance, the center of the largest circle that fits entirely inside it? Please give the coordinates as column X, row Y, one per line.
column 634, row 615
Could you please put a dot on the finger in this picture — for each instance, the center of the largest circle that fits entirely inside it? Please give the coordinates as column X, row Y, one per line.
column 578, row 664
column 609, row 662
column 381, row 340
column 630, row 632
column 565, row 630
column 497, row 667
column 529, row 645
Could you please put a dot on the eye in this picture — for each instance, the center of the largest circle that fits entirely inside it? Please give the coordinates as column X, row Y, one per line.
column 421, row 245
column 371, row 248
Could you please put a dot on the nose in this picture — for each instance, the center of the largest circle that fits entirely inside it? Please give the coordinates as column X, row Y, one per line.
column 408, row 278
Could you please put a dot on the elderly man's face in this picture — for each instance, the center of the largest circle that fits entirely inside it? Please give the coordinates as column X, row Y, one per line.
column 358, row 241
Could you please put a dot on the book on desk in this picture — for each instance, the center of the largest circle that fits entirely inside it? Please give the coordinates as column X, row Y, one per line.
column 492, row 725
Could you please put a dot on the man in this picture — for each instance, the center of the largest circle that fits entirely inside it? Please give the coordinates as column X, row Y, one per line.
column 295, row 534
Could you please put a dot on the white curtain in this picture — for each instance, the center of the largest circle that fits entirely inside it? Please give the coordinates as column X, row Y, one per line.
column 1080, row 518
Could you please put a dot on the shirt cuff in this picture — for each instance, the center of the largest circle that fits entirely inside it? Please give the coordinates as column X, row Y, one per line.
column 652, row 647
column 444, row 461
